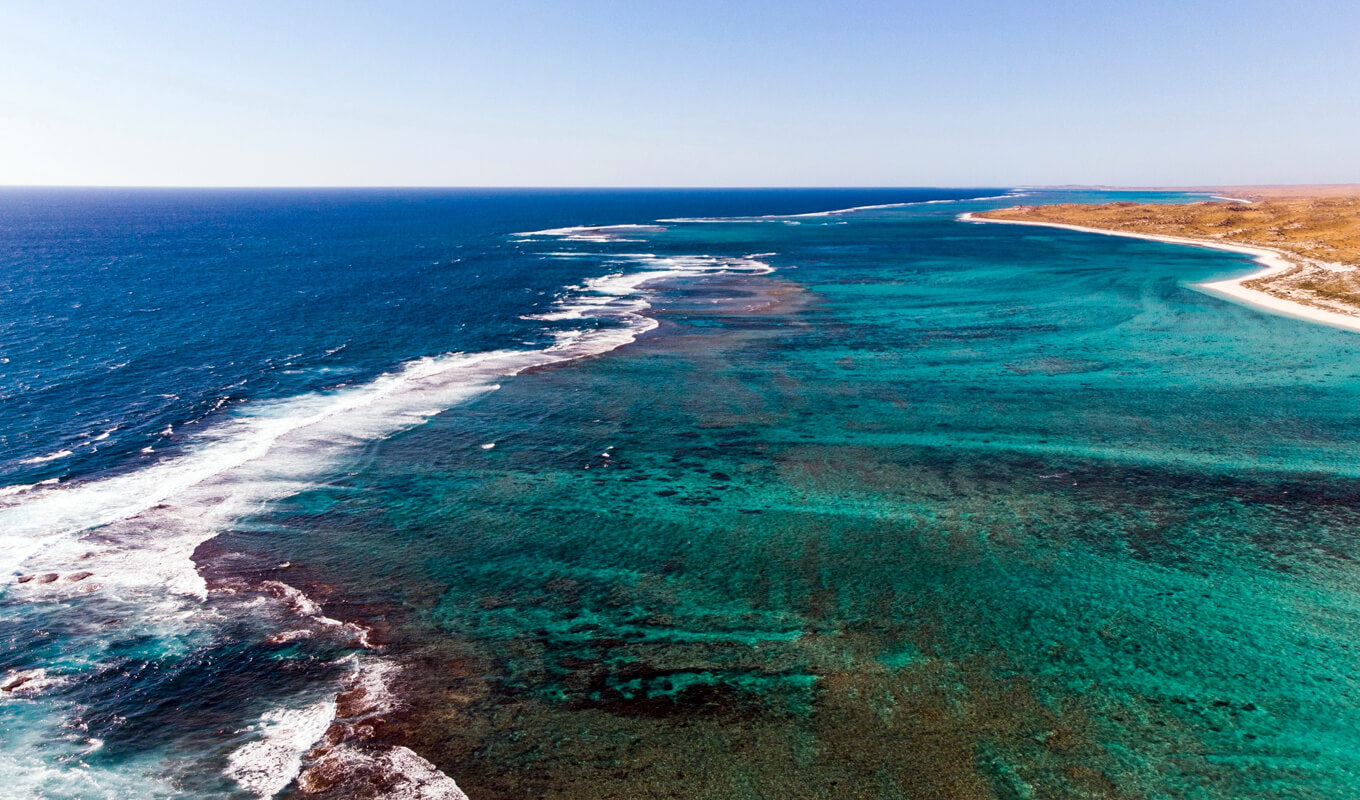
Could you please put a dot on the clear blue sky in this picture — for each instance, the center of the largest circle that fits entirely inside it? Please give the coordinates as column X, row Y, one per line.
column 937, row 92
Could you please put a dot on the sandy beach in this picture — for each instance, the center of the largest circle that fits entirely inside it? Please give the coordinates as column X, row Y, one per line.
column 1273, row 263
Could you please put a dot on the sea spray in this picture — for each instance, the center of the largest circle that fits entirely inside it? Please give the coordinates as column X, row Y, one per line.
column 131, row 536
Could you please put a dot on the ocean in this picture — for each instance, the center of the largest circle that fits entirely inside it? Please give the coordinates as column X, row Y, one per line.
column 660, row 493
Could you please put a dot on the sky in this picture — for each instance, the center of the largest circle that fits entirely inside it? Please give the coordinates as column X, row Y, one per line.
column 792, row 93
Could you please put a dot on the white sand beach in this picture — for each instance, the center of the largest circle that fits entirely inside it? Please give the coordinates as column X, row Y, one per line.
column 1273, row 263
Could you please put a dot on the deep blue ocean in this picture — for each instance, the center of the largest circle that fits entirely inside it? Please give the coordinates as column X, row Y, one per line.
column 134, row 312
column 660, row 493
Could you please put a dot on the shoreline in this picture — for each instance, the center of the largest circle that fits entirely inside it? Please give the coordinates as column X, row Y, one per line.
column 1232, row 289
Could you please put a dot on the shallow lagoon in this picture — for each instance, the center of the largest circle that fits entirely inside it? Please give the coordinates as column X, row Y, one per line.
column 936, row 510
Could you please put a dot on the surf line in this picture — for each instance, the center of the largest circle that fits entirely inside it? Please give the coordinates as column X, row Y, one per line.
column 136, row 532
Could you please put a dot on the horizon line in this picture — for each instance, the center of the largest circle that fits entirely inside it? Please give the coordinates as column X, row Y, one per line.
column 657, row 187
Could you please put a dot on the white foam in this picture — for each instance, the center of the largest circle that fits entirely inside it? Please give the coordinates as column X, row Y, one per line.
column 422, row 780
column 342, row 759
column 46, row 458
column 266, row 766
column 369, row 688
column 136, row 532
column 856, row 209
column 595, row 233
column 29, row 682
column 18, row 488
column 296, row 634
column 301, row 604
column 836, row 211
column 268, row 451
column 61, row 773
column 620, row 290
column 405, row 775
column 140, row 528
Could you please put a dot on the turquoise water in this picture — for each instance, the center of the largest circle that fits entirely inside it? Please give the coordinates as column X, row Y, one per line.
column 934, row 510
column 925, row 509
column 172, row 360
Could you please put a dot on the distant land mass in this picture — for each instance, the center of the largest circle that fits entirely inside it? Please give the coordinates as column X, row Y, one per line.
column 1255, row 192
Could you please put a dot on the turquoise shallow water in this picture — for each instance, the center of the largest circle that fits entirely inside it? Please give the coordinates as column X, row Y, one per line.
column 930, row 510
column 171, row 360
column 934, row 510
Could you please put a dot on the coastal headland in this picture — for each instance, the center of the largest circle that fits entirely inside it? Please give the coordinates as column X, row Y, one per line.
column 1307, row 239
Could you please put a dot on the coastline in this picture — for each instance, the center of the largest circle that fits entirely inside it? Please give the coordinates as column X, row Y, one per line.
column 1273, row 262
column 566, row 587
